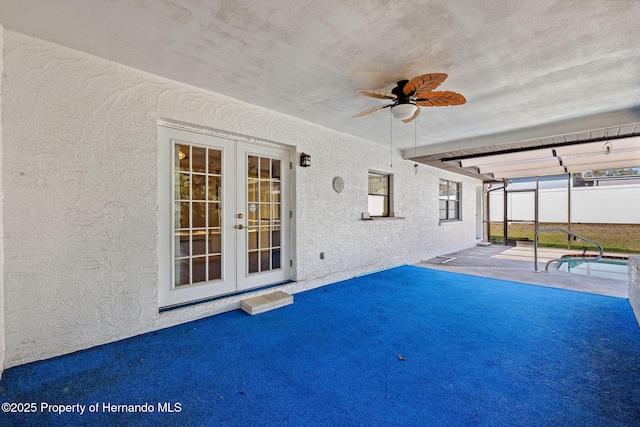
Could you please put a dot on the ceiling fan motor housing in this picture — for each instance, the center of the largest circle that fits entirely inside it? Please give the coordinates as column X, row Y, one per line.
column 403, row 108
column 399, row 92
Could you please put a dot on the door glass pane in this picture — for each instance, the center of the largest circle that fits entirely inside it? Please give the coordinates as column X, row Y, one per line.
column 182, row 244
column 275, row 237
column 275, row 169
column 253, row 238
column 198, row 211
column 199, row 269
column 275, row 191
column 198, row 187
column 198, row 160
column 215, row 243
column 252, row 166
column 215, row 184
column 183, row 272
column 265, row 191
column 264, row 237
column 197, row 214
column 264, row 214
column 215, row 162
column 182, row 215
column 252, row 215
column 265, row 261
column 199, row 242
column 182, row 186
column 253, row 262
column 252, row 190
column 214, row 219
column 182, row 157
column 215, row 267
column 265, row 168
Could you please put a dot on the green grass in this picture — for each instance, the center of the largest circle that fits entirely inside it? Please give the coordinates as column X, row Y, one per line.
column 613, row 237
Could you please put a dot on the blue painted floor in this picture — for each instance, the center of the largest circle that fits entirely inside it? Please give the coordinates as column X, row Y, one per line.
column 407, row 346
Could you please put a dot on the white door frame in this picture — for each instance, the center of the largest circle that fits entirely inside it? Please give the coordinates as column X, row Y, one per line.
column 233, row 240
column 245, row 279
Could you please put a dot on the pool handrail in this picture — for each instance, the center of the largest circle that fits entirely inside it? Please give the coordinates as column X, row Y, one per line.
column 570, row 258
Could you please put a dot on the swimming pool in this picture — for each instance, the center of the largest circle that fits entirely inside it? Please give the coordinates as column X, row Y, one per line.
column 606, row 268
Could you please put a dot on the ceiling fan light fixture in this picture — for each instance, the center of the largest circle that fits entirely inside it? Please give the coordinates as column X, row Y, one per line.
column 409, row 95
column 403, row 111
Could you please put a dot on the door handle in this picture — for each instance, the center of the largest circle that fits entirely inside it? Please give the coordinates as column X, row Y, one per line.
column 240, row 226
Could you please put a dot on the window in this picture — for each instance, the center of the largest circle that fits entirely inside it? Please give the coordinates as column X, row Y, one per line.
column 198, row 253
column 379, row 194
column 449, row 200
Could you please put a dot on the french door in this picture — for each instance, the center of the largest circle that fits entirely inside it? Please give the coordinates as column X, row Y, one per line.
column 224, row 216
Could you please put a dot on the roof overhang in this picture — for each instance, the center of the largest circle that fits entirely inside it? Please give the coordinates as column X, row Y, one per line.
column 610, row 148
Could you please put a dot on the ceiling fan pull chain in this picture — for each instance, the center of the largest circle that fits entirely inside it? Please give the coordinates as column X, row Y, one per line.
column 415, row 144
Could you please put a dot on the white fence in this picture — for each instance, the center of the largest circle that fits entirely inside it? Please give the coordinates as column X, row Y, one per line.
column 607, row 204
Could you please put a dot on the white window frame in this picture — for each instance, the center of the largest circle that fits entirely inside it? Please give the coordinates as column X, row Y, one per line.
column 388, row 196
column 447, row 200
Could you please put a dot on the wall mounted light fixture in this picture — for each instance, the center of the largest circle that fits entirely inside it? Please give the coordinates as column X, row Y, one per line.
column 305, row 160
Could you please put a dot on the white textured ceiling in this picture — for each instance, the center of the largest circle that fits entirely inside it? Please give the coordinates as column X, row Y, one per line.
column 528, row 68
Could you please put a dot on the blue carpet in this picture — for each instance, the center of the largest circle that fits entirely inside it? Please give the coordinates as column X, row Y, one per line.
column 407, row 346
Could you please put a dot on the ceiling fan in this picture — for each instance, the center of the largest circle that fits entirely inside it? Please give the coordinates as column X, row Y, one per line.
column 409, row 95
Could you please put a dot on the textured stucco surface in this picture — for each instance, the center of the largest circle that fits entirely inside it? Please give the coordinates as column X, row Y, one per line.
column 528, row 68
column 634, row 285
column 2, row 345
column 80, row 173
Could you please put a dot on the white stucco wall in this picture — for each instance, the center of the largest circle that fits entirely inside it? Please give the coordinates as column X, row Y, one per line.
column 2, row 344
column 80, row 177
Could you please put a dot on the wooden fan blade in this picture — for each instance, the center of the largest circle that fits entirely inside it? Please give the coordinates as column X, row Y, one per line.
column 423, row 84
column 410, row 119
column 376, row 94
column 372, row 110
column 441, row 99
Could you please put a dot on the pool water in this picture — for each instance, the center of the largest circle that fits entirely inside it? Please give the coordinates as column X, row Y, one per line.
column 613, row 269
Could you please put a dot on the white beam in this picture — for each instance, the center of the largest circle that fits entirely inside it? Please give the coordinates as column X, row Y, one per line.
column 518, row 156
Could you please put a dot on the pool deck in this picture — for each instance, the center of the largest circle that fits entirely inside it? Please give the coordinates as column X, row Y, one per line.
column 515, row 263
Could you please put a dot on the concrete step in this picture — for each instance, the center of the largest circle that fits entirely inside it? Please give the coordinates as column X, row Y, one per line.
column 266, row 302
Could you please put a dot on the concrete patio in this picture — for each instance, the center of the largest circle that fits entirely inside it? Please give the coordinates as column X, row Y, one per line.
column 515, row 263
